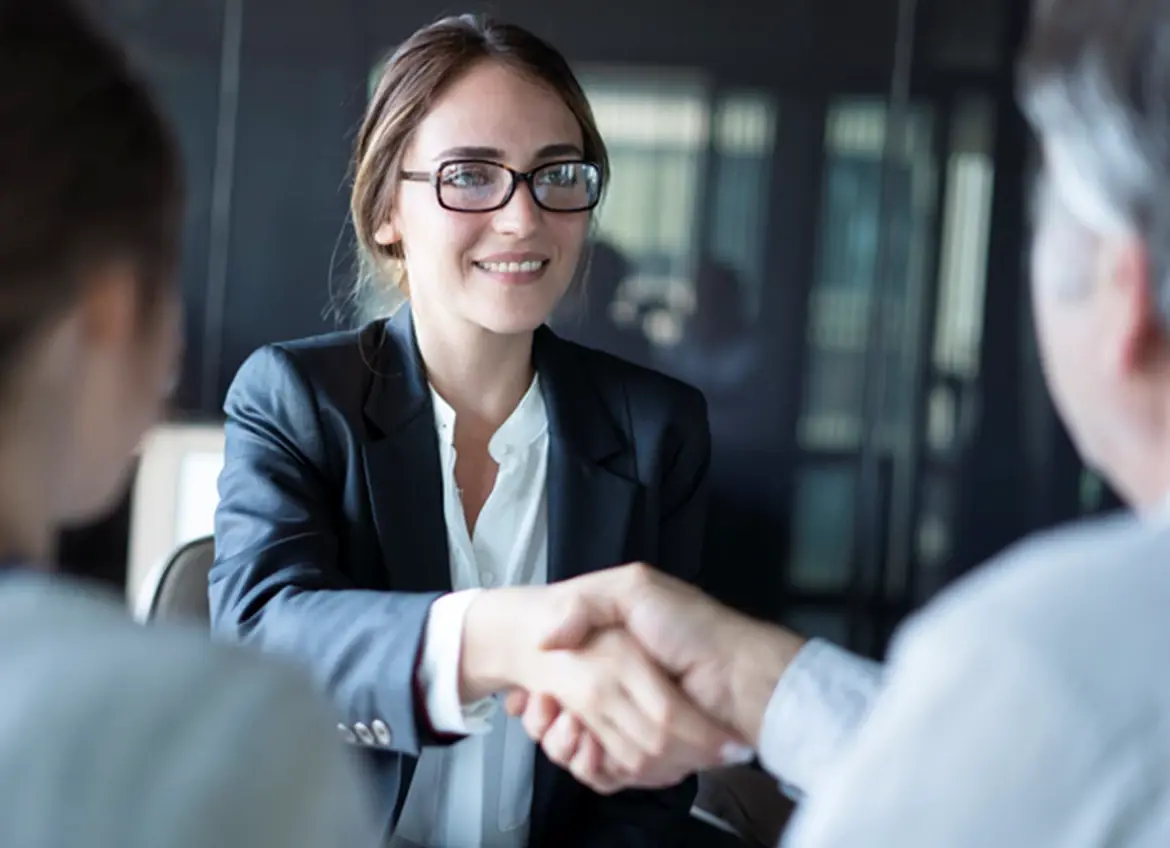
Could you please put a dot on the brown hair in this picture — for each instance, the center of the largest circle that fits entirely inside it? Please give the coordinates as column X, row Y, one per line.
column 88, row 169
column 413, row 79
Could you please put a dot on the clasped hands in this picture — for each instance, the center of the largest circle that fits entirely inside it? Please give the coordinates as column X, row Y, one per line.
column 626, row 677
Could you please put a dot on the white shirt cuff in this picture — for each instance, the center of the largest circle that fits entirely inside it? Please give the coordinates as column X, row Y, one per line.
column 439, row 669
column 821, row 699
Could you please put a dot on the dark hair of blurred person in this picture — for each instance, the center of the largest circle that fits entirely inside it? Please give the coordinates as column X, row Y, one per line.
column 90, row 211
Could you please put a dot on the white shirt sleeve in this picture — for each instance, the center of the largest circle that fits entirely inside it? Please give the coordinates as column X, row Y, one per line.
column 817, row 706
column 972, row 743
column 439, row 669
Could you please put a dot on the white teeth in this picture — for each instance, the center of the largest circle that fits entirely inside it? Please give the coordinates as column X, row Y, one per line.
column 527, row 266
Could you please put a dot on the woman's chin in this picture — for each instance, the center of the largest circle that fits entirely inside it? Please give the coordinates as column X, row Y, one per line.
column 513, row 325
column 514, row 318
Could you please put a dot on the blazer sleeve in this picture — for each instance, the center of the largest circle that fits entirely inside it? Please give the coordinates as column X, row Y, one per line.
column 276, row 582
column 649, row 818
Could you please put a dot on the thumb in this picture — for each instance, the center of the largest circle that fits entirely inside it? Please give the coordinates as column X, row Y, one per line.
column 581, row 614
column 569, row 627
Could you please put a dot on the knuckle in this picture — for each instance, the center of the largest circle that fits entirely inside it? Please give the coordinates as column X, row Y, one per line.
column 581, row 770
column 556, row 750
column 666, row 713
column 593, row 697
column 661, row 743
column 639, row 574
column 657, row 743
column 533, row 725
column 639, row 764
column 615, row 769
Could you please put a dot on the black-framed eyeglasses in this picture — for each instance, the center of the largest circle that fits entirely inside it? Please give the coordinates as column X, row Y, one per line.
column 480, row 185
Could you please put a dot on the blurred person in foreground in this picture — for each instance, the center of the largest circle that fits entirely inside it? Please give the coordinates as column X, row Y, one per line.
column 111, row 735
column 1028, row 705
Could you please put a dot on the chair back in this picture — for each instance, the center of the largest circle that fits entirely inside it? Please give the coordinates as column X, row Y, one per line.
column 177, row 591
column 174, row 497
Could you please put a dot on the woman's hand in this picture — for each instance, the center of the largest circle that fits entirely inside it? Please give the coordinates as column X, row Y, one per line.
column 567, row 743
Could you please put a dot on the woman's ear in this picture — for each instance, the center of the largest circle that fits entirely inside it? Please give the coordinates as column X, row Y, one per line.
column 387, row 234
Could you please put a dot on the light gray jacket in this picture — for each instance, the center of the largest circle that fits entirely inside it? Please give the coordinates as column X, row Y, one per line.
column 117, row 736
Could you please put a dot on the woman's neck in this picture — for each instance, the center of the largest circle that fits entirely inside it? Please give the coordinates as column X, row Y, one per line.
column 482, row 375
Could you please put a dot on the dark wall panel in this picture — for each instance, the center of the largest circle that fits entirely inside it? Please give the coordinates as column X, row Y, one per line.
column 302, row 92
column 177, row 47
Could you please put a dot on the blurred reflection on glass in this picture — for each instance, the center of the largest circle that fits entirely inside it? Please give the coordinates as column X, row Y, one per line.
column 830, row 423
column 953, row 368
column 855, row 143
column 595, row 315
column 966, row 229
column 822, row 527
column 720, row 354
column 719, row 349
column 839, row 347
column 687, row 198
column 657, row 124
column 744, row 142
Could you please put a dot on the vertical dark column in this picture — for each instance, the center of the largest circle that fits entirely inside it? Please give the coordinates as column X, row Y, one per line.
column 871, row 513
column 997, row 490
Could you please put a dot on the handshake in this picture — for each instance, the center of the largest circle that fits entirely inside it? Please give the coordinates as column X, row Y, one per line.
column 626, row 677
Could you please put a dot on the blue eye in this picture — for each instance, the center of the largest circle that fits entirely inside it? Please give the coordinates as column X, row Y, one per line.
column 467, row 176
column 560, row 176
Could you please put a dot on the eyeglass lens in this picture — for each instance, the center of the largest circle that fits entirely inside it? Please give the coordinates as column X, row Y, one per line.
column 480, row 186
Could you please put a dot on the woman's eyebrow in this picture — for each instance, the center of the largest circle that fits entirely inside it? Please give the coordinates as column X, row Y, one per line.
column 472, row 152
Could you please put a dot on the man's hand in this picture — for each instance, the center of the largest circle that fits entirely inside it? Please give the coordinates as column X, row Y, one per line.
column 640, row 726
column 726, row 663
column 648, row 731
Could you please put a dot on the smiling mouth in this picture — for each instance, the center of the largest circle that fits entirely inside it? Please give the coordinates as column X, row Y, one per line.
column 528, row 266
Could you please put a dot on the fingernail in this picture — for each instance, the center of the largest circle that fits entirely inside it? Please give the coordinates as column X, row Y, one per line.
column 735, row 754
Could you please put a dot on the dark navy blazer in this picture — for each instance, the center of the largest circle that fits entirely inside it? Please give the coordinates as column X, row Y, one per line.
column 331, row 543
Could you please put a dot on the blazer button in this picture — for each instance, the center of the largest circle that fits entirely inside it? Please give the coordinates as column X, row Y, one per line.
column 346, row 734
column 363, row 733
column 381, row 732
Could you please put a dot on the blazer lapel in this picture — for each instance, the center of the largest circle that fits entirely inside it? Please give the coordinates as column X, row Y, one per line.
column 592, row 478
column 402, row 463
column 592, row 492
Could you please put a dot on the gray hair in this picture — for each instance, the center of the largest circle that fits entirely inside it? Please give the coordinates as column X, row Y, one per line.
column 1094, row 82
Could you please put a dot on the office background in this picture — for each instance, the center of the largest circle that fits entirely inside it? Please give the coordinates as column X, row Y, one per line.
column 817, row 215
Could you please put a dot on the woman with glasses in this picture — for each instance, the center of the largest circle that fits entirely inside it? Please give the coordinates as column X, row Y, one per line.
column 395, row 499
column 113, row 735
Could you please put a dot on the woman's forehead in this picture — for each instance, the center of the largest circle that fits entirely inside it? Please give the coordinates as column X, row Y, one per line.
column 498, row 109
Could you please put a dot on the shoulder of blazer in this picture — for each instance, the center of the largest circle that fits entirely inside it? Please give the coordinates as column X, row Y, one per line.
column 331, row 360
column 647, row 393
column 340, row 368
